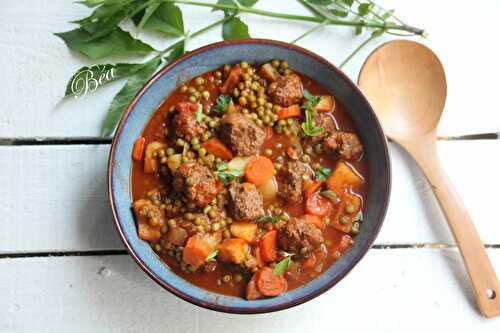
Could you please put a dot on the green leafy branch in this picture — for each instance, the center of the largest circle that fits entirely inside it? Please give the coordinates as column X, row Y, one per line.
column 99, row 35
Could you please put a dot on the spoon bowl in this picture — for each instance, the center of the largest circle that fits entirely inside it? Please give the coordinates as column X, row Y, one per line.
column 406, row 85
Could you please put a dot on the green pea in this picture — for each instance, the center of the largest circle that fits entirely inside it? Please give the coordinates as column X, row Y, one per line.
column 349, row 209
column 355, row 228
column 171, row 223
column 198, row 221
column 215, row 226
column 275, row 63
column 183, row 88
column 344, row 220
column 199, row 81
column 226, row 278
column 268, row 152
column 192, row 99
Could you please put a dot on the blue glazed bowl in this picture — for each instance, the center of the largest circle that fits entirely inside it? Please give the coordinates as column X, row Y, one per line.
column 206, row 59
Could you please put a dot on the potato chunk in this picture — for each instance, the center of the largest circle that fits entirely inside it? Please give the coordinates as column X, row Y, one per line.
column 244, row 230
column 342, row 178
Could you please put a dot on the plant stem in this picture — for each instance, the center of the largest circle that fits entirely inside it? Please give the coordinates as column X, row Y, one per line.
column 310, row 31
column 356, row 50
column 330, row 21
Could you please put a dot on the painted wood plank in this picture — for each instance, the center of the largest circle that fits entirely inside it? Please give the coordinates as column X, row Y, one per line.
column 37, row 65
column 54, row 198
column 414, row 290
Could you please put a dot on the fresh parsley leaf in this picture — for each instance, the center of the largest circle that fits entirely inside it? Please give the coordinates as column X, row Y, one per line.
column 222, row 103
column 227, row 175
column 322, row 174
column 283, row 265
column 364, row 8
column 199, row 113
column 118, row 41
column 269, row 218
column 120, row 102
column 235, row 29
column 211, row 256
column 328, row 194
column 311, row 101
column 308, row 126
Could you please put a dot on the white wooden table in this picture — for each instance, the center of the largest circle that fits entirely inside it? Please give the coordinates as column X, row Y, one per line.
column 63, row 268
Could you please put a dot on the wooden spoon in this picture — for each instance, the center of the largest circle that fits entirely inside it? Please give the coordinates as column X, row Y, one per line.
column 406, row 85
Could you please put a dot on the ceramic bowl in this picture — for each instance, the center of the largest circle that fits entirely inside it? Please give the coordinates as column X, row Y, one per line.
column 206, row 59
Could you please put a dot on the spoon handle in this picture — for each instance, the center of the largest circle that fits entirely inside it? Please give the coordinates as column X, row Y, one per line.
column 482, row 274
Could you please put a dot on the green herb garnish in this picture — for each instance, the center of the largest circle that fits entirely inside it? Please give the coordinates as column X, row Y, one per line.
column 308, row 126
column 227, row 175
column 311, row 101
column 283, row 265
column 222, row 103
column 358, row 217
column 328, row 194
column 211, row 256
column 199, row 113
column 269, row 218
column 323, row 173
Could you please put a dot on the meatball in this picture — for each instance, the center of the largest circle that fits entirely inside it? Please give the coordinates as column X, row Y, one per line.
column 290, row 181
column 185, row 123
column 246, row 201
column 347, row 145
column 286, row 90
column 196, row 182
column 300, row 237
column 241, row 134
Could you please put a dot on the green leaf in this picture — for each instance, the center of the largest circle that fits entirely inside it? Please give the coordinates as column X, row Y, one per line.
column 269, row 218
column 227, row 175
column 358, row 217
column 347, row 2
column 322, row 173
column 358, row 30
column 177, row 50
column 199, row 113
column 118, row 41
column 88, row 79
column 364, row 8
column 211, row 256
column 308, row 126
column 235, row 29
column 147, row 14
column 91, row 3
column 311, row 101
column 121, row 101
column 222, row 103
column 283, row 265
column 339, row 13
column 166, row 18
column 328, row 194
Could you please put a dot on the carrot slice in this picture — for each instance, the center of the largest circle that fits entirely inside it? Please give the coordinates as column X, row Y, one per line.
column 270, row 284
column 317, row 205
column 268, row 246
column 196, row 250
column 259, row 170
column 288, row 112
column 315, row 185
column 309, row 262
column 217, row 148
column 316, row 220
column 138, row 149
column 232, row 79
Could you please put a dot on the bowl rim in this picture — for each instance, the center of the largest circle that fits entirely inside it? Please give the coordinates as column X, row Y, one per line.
column 265, row 309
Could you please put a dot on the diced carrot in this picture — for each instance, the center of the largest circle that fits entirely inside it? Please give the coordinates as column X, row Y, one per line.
column 343, row 177
column 268, row 72
column 312, row 188
column 345, row 242
column 309, row 262
column 233, row 250
column 216, row 147
column 138, row 149
column 326, row 104
column 196, row 250
column 268, row 246
column 317, row 205
column 244, row 230
column 259, row 170
column 252, row 291
column 316, row 220
column 148, row 233
column 270, row 284
column 232, row 79
column 186, row 107
column 288, row 112
column 343, row 220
